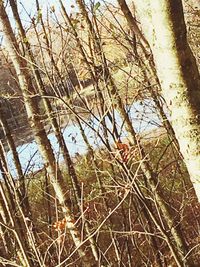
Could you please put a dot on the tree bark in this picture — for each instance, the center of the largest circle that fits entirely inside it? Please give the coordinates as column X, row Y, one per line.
column 43, row 143
column 148, row 69
column 22, row 186
column 10, row 219
column 178, row 75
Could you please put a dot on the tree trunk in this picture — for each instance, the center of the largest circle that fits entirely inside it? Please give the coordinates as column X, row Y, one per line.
column 23, row 197
column 43, row 143
column 178, row 75
column 9, row 218
column 147, row 66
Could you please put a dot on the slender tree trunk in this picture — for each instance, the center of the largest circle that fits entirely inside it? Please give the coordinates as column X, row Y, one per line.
column 133, row 23
column 9, row 219
column 22, row 194
column 5, row 235
column 19, row 217
column 48, row 202
column 178, row 76
column 39, row 132
column 48, row 108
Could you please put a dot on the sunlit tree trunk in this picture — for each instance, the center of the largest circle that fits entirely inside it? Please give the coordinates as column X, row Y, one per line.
column 147, row 66
column 178, row 74
column 48, row 108
column 38, row 130
column 46, row 101
column 4, row 234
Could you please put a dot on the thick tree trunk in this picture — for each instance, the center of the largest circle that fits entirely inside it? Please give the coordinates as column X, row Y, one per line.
column 147, row 65
column 178, row 74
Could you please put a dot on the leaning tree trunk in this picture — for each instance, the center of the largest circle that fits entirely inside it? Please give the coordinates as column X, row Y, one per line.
column 147, row 66
column 10, row 220
column 23, row 197
column 178, row 74
column 43, row 143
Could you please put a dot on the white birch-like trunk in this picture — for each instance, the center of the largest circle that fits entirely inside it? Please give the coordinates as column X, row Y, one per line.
column 164, row 26
column 43, row 143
